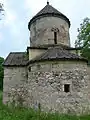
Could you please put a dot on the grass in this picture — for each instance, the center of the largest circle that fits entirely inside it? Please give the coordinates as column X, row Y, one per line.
column 12, row 113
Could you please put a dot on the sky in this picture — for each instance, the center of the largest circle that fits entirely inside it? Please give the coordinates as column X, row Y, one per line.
column 14, row 33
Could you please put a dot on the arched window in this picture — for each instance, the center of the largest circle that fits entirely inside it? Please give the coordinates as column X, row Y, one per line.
column 55, row 31
column 55, row 37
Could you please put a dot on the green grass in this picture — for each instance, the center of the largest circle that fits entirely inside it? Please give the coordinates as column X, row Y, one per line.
column 12, row 113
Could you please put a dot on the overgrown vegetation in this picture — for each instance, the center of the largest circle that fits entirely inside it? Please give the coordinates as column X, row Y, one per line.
column 83, row 38
column 12, row 113
column 1, row 73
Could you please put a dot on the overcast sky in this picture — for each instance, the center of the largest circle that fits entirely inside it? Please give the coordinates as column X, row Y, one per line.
column 14, row 33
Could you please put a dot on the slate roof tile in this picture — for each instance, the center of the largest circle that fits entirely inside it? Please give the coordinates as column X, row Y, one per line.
column 58, row 53
column 52, row 53
column 16, row 59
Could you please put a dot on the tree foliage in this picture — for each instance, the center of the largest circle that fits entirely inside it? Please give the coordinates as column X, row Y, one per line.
column 1, row 59
column 1, row 10
column 1, row 73
column 83, row 38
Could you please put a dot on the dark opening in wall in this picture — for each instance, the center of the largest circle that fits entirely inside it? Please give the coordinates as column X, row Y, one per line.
column 55, row 37
column 67, row 88
column 29, row 69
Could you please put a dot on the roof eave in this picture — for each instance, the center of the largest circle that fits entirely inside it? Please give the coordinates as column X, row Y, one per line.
column 57, row 59
column 50, row 15
column 14, row 65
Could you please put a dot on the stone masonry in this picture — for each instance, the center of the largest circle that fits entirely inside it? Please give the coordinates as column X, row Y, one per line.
column 43, row 29
column 15, row 78
column 44, row 86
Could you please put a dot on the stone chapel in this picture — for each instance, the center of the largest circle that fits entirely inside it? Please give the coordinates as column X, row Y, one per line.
column 51, row 75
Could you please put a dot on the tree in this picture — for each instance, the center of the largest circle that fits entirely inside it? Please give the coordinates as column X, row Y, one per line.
column 1, row 9
column 83, row 38
column 1, row 59
column 1, row 73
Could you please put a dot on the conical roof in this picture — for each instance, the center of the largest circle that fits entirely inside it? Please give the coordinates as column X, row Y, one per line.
column 48, row 10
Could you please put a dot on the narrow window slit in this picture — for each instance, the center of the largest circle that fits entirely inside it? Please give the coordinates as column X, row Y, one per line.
column 67, row 88
column 55, row 37
column 29, row 69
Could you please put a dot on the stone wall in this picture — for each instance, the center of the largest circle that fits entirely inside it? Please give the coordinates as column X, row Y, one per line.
column 42, row 86
column 14, row 86
column 89, row 71
column 42, row 31
column 76, row 52
column 35, row 52
column 46, row 83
